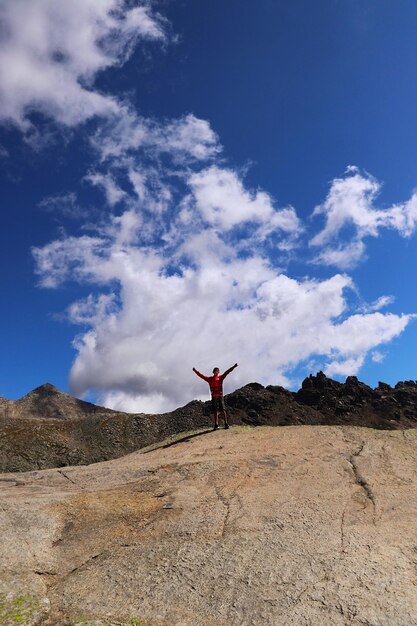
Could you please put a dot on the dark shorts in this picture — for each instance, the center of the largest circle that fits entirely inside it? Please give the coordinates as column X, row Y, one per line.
column 217, row 404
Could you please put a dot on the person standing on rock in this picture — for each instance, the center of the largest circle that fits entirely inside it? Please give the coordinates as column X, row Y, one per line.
column 216, row 388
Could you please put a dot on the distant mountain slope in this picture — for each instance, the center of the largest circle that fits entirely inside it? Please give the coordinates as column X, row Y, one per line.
column 49, row 428
column 48, row 402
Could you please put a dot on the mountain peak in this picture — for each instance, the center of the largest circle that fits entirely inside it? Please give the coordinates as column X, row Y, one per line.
column 46, row 389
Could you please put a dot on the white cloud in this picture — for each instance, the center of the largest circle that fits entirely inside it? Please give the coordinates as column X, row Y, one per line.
column 108, row 184
column 64, row 204
column 150, row 190
column 344, row 256
column 379, row 303
column 73, row 257
column 184, row 139
column 359, row 333
column 138, row 355
column 350, row 205
column 92, row 309
column 188, row 136
column 349, row 202
column 223, row 203
column 51, row 52
column 125, row 228
column 377, row 356
column 403, row 217
column 346, row 367
column 129, row 402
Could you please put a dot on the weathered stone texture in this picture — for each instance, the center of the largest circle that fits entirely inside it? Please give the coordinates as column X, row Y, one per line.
column 291, row 526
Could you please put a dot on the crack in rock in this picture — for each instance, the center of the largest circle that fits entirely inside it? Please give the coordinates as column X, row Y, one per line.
column 84, row 564
column 359, row 477
column 68, row 478
column 226, row 503
column 342, row 532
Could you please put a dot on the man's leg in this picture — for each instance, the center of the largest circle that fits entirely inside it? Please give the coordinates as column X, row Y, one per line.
column 215, row 406
column 224, row 414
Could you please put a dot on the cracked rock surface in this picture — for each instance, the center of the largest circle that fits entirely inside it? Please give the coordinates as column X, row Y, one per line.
column 291, row 526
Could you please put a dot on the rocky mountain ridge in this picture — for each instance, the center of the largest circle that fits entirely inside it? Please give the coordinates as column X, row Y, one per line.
column 49, row 428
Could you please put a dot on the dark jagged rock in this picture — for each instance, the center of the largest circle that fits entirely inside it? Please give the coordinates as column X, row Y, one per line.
column 315, row 388
column 49, row 428
column 275, row 406
column 354, row 403
column 384, row 387
column 331, row 397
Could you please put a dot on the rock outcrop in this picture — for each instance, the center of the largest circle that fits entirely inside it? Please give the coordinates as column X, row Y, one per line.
column 48, row 428
column 353, row 402
column 292, row 526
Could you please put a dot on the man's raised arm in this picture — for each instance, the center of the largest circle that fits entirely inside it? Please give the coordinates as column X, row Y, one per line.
column 200, row 374
column 229, row 370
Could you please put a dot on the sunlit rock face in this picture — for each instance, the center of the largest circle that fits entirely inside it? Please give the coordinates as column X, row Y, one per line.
column 296, row 525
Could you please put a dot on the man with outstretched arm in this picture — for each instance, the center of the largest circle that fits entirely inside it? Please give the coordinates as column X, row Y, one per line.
column 216, row 388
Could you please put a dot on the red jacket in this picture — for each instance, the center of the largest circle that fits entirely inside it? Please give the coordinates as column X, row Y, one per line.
column 215, row 382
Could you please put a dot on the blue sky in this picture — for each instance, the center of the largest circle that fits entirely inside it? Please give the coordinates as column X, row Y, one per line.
column 193, row 184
